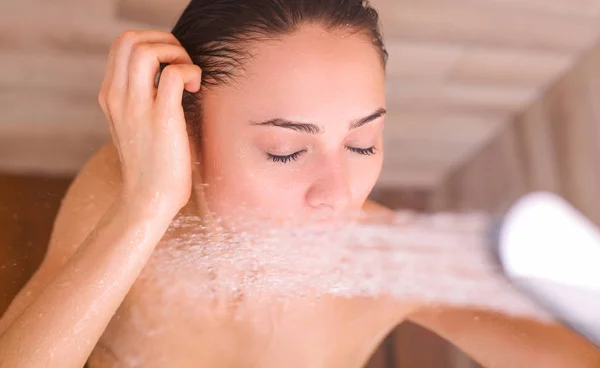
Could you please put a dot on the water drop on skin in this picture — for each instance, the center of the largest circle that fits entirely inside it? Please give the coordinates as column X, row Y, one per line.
column 412, row 258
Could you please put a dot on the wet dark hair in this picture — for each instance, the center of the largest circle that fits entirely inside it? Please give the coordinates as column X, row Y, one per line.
column 215, row 33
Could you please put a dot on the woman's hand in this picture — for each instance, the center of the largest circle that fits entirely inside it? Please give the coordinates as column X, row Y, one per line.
column 99, row 250
column 147, row 124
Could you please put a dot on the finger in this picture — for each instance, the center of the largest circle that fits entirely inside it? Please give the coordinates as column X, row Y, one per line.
column 144, row 65
column 157, row 76
column 108, row 73
column 173, row 80
column 103, row 93
column 122, row 54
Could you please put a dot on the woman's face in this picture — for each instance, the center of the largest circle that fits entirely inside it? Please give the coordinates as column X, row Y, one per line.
column 299, row 134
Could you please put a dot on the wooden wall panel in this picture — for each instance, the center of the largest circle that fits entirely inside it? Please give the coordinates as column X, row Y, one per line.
column 491, row 180
column 379, row 359
column 35, row 71
column 422, row 61
column 538, row 141
column 486, row 23
column 578, row 8
column 466, row 22
column 416, row 347
column 28, row 206
column 553, row 145
column 39, row 149
column 561, row 137
column 501, row 99
column 76, row 27
column 157, row 12
column 574, row 115
column 49, row 107
column 501, row 66
column 436, row 126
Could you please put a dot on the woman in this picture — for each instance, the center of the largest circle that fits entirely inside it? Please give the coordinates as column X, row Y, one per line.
column 284, row 103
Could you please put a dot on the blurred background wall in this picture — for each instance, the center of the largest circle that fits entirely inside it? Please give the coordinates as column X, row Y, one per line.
column 487, row 100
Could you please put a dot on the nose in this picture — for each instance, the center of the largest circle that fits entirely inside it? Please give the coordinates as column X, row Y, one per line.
column 330, row 190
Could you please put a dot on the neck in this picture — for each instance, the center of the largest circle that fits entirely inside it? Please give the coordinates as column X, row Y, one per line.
column 197, row 207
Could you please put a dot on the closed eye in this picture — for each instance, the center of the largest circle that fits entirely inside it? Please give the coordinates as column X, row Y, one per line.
column 362, row 151
column 294, row 156
column 285, row 159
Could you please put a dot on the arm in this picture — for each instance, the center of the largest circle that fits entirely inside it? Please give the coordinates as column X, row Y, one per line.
column 98, row 249
column 497, row 340
column 67, row 304
column 78, row 214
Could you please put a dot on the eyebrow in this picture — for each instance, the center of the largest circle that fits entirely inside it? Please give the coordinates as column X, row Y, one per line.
column 315, row 129
column 360, row 122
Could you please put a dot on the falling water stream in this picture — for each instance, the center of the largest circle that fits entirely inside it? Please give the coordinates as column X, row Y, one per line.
column 440, row 259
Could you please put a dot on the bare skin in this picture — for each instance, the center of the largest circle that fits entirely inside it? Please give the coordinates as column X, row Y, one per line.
column 261, row 334
column 87, row 295
column 116, row 212
column 90, row 266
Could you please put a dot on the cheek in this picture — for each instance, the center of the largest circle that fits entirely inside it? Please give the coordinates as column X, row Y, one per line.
column 363, row 175
column 242, row 183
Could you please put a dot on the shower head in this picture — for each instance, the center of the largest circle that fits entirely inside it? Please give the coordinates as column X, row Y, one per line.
column 551, row 252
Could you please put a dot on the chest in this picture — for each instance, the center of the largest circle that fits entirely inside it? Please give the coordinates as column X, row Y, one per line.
column 198, row 307
column 244, row 332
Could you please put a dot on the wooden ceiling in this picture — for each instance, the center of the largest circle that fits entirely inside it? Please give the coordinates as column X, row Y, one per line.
column 458, row 71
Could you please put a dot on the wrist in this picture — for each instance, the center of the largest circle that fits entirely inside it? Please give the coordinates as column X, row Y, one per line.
column 153, row 206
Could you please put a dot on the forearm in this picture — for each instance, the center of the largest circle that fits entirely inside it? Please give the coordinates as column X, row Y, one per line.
column 496, row 340
column 62, row 325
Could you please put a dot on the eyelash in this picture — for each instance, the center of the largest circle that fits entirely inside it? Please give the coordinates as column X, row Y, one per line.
column 362, row 151
column 285, row 159
column 294, row 156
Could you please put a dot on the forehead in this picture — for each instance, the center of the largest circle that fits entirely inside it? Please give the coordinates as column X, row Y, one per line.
column 312, row 74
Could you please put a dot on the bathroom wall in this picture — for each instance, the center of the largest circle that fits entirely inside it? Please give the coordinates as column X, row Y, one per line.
column 28, row 205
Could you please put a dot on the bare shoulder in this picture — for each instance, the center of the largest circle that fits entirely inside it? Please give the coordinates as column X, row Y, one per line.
column 88, row 198
column 374, row 207
column 374, row 210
